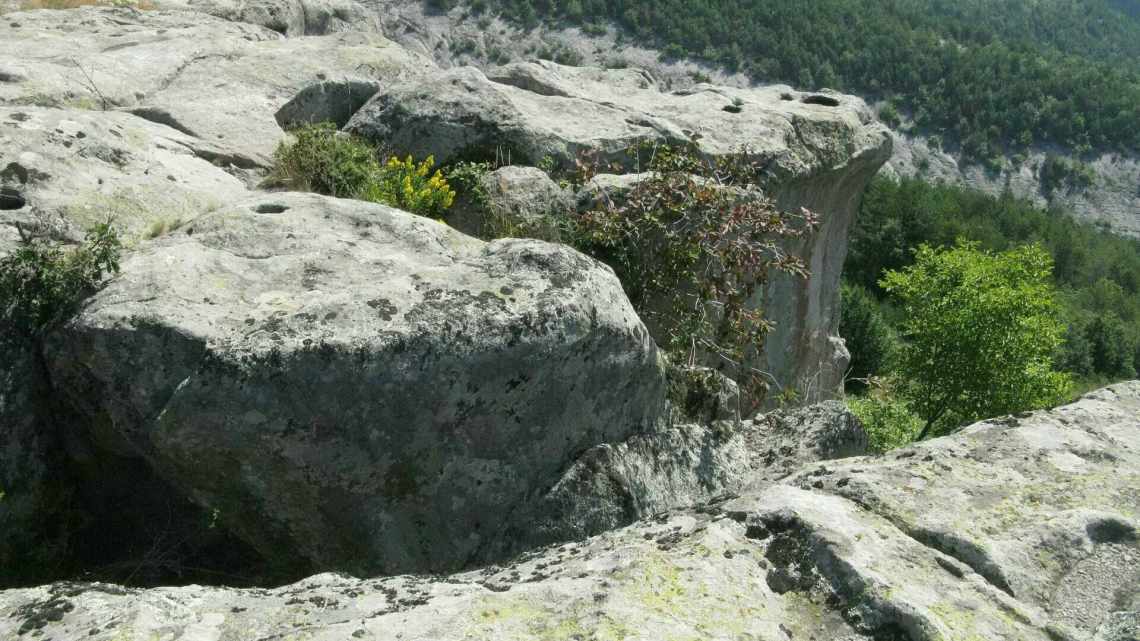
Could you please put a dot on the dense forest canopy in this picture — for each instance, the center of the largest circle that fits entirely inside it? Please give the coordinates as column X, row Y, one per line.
column 991, row 77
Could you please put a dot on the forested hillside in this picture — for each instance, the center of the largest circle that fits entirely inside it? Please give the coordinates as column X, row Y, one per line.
column 992, row 78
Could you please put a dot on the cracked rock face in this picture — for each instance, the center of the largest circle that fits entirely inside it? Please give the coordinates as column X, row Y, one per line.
column 796, row 560
column 356, row 387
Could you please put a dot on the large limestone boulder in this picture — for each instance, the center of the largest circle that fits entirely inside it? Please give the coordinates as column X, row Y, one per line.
column 212, row 79
column 818, row 151
column 532, row 111
column 288, row 17
column 351, row 386
column 801, row 559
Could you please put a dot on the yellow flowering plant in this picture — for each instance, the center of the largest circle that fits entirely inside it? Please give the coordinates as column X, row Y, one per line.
column 411, row 186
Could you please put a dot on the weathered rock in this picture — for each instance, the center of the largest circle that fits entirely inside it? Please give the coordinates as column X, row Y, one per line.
column 209, row 78
column 783, row 562
column 1045, row 507
column 351, row 386
column 688, row 464
column 331, row 101
column 74, row 168
column 287, row 17
column 515, row 201
column 539, row 110
column 818, row 151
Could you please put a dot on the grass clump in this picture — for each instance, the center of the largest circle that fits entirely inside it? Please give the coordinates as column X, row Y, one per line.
column 323, row 160
column 41, row 284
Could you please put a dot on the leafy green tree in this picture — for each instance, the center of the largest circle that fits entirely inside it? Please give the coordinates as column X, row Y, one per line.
column 980, row 332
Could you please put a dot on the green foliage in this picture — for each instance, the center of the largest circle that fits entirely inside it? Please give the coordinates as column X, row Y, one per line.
column 691, row 243
column 888, row 420
column 868, row 336
column 980, row 331
column 467, row 179
column 41, row 284
column 889, row 114
column 1096, row 272
column 323, row 160
column 989, row 75
column 1110, row 347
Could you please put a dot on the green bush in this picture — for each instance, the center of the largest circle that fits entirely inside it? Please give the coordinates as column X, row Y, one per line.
column 323, row 160
column 42, row 284
column 889, row 422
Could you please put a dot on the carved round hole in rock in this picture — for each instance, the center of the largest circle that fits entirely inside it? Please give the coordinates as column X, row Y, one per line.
column 733, row 109
column 270, row 208
column 816, row 99
column 11, row 198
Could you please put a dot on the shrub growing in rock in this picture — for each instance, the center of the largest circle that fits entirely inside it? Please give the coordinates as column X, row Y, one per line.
column 323, row 160
column 691, row 244
column 42, row 284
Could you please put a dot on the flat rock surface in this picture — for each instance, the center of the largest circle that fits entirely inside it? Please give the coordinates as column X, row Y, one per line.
column 829, row 554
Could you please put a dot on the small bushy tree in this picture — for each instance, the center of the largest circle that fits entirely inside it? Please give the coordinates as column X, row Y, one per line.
column 980, row 332
column 887, row 419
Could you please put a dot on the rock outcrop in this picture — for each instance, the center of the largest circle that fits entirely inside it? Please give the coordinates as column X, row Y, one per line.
column 519, row 199
column 255, row 362
column 355, row 386
column 1046, row 549
column 818, row 152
